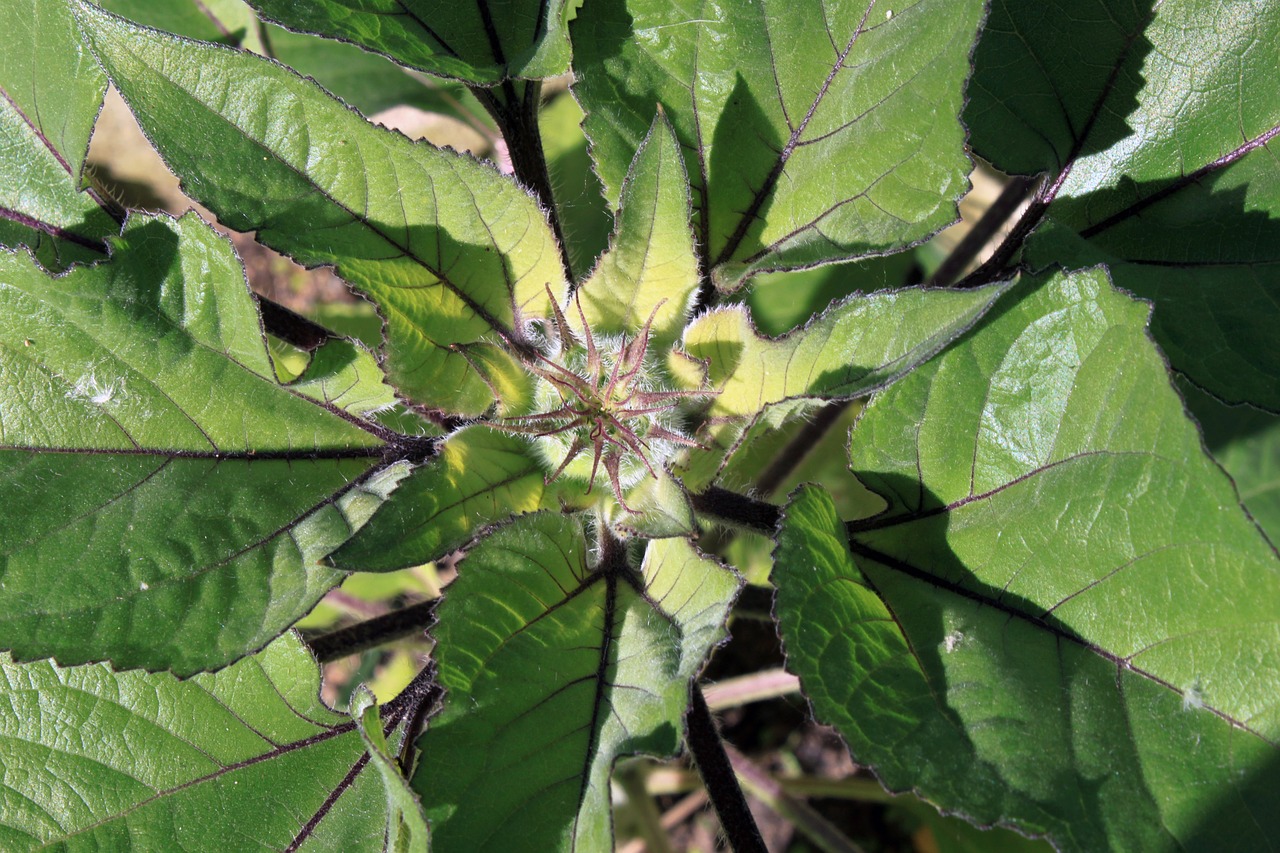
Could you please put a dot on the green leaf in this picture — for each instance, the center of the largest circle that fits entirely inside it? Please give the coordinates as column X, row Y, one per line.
column 452, row 252
column 478, row 478
column 559, row 667
column 147, row 521
column 782, row 301
column 1153, row 124
column 1074, row 634
column 230, row 22
column 650, row 270
column 1246, row 442
column 406, row 830
column 852, row 349
column 50, row 94
column 765, row 96
column 101, row 760
column 584, row 213
column 344, row 375
column 482, row 43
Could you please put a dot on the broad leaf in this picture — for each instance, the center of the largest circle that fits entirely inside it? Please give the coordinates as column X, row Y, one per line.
column 558, row 667
column 765, row 96
column 483, row 43
column 650, row 271
column 148, row 522
column 478, row 478
column 452, row 252
column 1153, row 125
column 50, row 94
column 1073, row 634
column 101, row 760
column 854, row 348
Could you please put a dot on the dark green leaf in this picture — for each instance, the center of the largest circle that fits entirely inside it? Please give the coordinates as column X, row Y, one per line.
column 554, row 668
column 764, row 97
column 484, row 43
column 479, row 477
column 98, row 760
column 452, row 252
column 1075, row 632
column 1152, row 122
column 166, row 502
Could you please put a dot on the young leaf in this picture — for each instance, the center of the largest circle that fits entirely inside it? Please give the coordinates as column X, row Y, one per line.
column 765, row 96
column 96, row 759
column 50, row 94
column 148, row 522
column 482, row 43
column 1153, row 124
column 555, row 668
column 478, row 478
column 406, row 825
column 650, row 268
column 852, row 349
column 451, row 252
column 1074, row 634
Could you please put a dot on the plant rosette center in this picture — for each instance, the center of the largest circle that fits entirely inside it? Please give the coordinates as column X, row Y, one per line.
column 605, row 412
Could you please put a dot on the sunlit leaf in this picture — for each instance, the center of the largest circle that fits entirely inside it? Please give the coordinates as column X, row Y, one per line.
column 167, row 502
column 485, row 42
column 451, row 252
column 765, row 97
column 855, row 347
column 96, row 759
column 50, row 92
column 1073, row 634
column 558, row 666
column 479, row 477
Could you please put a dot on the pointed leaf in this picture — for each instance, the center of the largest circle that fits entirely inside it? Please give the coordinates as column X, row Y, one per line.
column 479, row 477
column 651, row 265
column 50, row 93
column 561, row 667
column 482, row 43
column 451, row 252
column 852, row 349
column 765, row 96
column 1075, row 634
column 101, row 760
column 147, row 521
column 1153, row 123
column 406, row 825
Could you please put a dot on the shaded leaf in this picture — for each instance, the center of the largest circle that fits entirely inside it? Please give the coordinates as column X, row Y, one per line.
column 50, row 93
column 451, row 252
column 650, row 270
column 482, row 43
column 764, row 97
column 479, row 477
column 559, row 667
column 1076, row 633
column 101, row 760
column 1246, row 442
column 1152, row 123
column 146, row 520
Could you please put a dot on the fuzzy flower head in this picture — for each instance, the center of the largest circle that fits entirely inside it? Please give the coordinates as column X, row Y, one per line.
column 602, row 411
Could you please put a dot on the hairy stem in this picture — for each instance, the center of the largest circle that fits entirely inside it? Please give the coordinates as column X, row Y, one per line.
column 709, row 754
column 373, row 632
column 289, row 326
column 516, row 114
column 738, row 510
column 995, row 216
